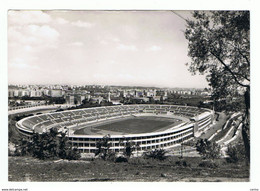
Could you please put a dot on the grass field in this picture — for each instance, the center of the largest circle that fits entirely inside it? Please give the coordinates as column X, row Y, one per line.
column 137, row 169
column 132, row 125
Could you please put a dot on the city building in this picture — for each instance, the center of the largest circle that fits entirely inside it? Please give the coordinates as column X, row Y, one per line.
column 70, row 99
column 56, row 93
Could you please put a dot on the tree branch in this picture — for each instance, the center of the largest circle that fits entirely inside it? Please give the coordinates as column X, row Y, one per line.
column 245, row 77
column 230, row 71
column 237, row 48
column 245, row 57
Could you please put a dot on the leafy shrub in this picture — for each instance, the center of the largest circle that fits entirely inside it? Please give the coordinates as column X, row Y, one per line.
column 13, row 134
column 159, row 154
column 182, row 163
column 207, row 149
column 129, row 148
column 72, row 154
column 208, row 164
column 103, row 150
column 121, row 159
column 19, row 117
column 235, row 153
column 47, row 146
column 111, row 156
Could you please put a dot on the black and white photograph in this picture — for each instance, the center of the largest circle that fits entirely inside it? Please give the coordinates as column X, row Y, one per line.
column 129, row 95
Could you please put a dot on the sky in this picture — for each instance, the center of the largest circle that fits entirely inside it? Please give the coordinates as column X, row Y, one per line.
column 130, row 48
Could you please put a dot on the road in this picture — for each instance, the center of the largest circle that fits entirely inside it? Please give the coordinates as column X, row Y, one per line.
column 216, row 126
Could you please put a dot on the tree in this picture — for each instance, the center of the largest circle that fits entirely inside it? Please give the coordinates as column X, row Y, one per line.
column 65, row 148
column 49, row 145
column 209, row 150
column 103, row 148
column 158, row 154
column 129, row 148
column 84, row 102
column 235, row 153
column 219, row 45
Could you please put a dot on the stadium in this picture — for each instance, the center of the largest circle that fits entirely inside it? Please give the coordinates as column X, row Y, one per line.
column 148, row 126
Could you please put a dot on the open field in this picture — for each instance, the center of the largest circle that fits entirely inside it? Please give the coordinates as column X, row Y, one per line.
column 137, row 169
column 131, row 125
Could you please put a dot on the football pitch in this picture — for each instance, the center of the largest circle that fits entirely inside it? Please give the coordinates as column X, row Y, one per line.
column 131, row 125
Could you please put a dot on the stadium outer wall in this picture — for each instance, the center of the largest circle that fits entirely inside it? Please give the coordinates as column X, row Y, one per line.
column 86, row 144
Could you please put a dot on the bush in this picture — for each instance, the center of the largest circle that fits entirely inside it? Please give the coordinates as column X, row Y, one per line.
column 207, row 149
column 121, row 159
column 129, row 148
column 72, row 154
column 103, row 150
column 19, row 117
column 159, row 154
column 182, row 163
column 208, row 164
column 47, row 146
column 235, row 153
column 111, row 156
column 11, row 149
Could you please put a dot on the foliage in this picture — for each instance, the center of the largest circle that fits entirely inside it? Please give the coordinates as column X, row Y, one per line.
column 66, row 151
column 121, row 159
column 235, row 153
column 23, row 148
column 87, row 104
column 56, row 100
column 208, row 164
column 189, row 100
column 49, row 145
column 207, row 149
column 31, row 98
column 19, row 117
column 159, row 154
column 13, row 134
column 58, row 110
column 182, row 163
column 219, row 45
column 103, row 150
column 129, row 148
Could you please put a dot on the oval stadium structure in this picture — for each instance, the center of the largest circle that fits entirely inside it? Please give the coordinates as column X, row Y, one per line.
column 148, row 126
